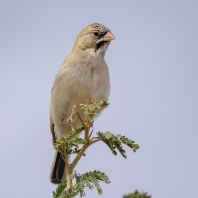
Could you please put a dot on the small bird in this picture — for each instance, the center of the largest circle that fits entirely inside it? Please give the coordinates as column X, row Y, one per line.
column 83, row 77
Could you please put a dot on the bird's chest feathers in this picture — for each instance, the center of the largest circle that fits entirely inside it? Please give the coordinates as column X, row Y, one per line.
column 93, row 79
column 92, row 74
column 86, row 77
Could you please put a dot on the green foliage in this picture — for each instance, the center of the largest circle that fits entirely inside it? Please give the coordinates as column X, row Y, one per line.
column 92, row 109
column 72, row 144
column 62, row 192
column 66, row 193
column 89, row 179
column 68, row 144
column 137, row 194
column 115, row 142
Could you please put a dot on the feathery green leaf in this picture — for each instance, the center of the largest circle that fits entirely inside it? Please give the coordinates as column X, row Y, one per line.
column 137, row 194
column 93, row 108
column 115, row 142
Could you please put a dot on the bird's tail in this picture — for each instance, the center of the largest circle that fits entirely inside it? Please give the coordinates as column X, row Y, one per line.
column 58, row 170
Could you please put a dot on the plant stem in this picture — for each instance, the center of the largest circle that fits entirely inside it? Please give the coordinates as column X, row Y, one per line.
column 94, row 141
column 80, row 118
column 69, row 172
column 70, row 167
column 80, row 154
column 86, row 132
column 87, row 128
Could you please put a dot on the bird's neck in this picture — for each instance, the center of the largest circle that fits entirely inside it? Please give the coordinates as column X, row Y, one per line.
column 95, row 53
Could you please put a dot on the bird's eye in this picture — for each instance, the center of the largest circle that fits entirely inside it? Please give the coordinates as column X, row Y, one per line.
column 96, row 34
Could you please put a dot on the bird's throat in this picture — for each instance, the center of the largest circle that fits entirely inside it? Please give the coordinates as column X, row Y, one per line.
column 99, row 45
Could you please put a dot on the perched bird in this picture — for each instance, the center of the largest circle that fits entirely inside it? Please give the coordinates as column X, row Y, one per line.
column 83, row 77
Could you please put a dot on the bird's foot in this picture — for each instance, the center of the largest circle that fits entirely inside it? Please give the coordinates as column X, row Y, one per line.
column 70, row 120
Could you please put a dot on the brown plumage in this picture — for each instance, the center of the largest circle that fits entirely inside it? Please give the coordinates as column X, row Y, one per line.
column 82, row 77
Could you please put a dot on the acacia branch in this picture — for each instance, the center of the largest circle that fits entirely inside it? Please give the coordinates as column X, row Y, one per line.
column 80, row 154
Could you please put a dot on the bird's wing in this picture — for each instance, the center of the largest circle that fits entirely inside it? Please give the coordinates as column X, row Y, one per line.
column 52, row 125
column 52, row 130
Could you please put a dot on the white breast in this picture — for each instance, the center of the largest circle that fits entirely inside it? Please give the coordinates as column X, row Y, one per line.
column 78, row 83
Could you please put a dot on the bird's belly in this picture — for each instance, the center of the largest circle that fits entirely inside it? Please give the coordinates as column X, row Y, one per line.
column 93, row 84
column 77, row 86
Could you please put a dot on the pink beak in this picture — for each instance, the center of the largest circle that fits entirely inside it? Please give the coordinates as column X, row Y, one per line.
column 107, row 37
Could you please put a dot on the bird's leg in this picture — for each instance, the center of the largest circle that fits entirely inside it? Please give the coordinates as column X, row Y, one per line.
column 70, row 120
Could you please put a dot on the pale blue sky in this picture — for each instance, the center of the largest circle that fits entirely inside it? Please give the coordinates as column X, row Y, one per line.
column 153, row 67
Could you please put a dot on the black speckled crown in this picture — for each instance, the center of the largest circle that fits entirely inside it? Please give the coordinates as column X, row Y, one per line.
column 100, row 27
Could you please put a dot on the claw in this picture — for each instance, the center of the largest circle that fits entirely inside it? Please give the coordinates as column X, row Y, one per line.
column 70, row 120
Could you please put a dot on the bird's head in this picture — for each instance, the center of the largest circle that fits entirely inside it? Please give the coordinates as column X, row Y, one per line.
column 95, row 38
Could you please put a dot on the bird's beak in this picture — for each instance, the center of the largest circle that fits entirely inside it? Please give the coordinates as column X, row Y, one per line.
column 107, row 37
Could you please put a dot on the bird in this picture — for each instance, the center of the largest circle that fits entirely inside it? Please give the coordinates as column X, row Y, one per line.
column 82, row 77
